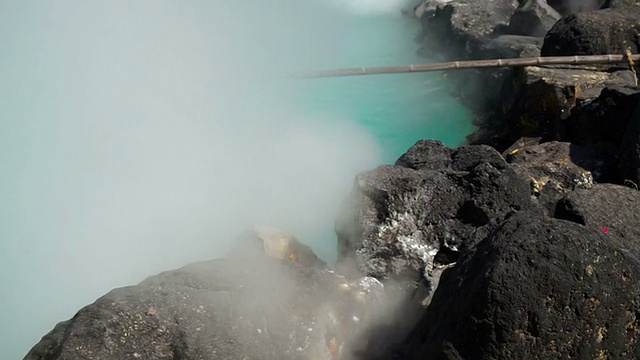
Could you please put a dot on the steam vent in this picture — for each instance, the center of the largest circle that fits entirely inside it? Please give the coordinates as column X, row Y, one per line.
column 521, row 242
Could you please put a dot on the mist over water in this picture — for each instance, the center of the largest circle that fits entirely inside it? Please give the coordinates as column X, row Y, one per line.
column 136, row 137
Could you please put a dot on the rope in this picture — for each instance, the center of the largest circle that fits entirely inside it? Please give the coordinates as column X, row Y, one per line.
column 468, row 64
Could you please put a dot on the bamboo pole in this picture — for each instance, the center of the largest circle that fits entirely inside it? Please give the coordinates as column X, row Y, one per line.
column 467, row 64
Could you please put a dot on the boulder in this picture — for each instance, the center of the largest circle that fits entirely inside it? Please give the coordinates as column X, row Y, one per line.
column 613, row 4
column 608, row 31
column 213, row 309
column 628, row 153
column 548, row 96
column 248, row 306
column 604, row 208
column 451, row 26
column 566, row 7
column 281, row 245
column 533, row 18
column 407, row 222
column 426, row 155
column 536, row 288
column 603, row 122
column 556, row 168
column 510, row 46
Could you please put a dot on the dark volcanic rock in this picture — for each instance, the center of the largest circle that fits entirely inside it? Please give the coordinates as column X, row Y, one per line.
column 537, row 288
column 613, row 4
column 546, row 97
column 603, row 122
column 607, row 208
column 533, row 18
column 556, row 168
column 451, row 27
column 426, row 155
column 608, row 31
column 511, row 46
column 566, row 7
column 208, row 310
column 629, row 152
column 245, row 307
column 402, row 222
column 610, row 123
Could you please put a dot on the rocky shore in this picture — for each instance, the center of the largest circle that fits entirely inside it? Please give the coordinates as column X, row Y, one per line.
column 524, row 244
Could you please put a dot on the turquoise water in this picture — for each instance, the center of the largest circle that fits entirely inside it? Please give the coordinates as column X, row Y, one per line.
column 397, row 109
column 136, row 136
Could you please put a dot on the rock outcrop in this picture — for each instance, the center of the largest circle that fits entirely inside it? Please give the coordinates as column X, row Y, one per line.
column 523, row 258
column 533, row 18
column 450, row 26
column 607, row 31
column 255, row 304
column 458, row 254
column 464, row 253
column 536, row 288
column 557, row 168
column 410, row 220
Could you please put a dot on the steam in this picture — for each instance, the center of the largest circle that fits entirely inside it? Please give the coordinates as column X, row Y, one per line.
column 574, row 6
column 374, row 7
column 140, row 136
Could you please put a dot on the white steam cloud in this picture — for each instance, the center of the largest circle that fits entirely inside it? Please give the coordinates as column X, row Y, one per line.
column 374, row 7
column 139, row 136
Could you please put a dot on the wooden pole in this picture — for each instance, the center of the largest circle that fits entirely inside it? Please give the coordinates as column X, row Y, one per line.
column 468, row 64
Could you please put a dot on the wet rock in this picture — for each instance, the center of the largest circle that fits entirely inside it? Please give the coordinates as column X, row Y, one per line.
column 608, row 31
column 535, row 288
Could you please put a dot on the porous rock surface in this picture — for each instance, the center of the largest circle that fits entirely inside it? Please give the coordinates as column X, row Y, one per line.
column 460, row 22
column 556, row 168
column 607, row 31
column 520, row 255
column 456, row 256
column 549, row 273
column 418, row 214
column 533, row 18
column 535, row 288
column 248, row 306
